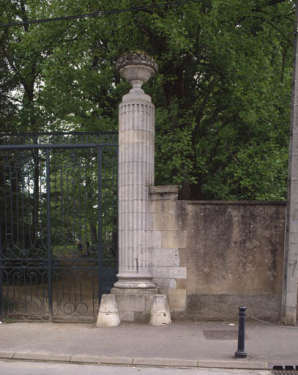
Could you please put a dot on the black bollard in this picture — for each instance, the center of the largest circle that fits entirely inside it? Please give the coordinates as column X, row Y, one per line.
column 241, row 353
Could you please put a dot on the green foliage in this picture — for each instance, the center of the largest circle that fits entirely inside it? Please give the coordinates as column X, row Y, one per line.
column 222, row 94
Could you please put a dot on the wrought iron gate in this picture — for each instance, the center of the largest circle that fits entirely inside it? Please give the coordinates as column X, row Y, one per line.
column 58, row 224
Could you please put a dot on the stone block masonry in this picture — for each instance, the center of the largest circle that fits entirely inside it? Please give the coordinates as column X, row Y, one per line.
column 210, row 257
column 168, row 240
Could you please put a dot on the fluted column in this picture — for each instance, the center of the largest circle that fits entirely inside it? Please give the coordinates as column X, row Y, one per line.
column 135, row 173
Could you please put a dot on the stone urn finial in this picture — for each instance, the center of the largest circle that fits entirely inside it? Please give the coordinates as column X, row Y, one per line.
column 137, row 68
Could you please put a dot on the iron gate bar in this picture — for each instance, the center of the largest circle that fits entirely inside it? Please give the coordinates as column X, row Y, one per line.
column 58, row 133
column 49, row 232
column 99, row 214
column 55, row 146
column 1, row 288
column 58, row 138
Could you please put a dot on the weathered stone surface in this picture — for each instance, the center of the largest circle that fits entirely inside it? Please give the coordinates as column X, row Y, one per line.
column 181, row 283
column 294, row 195
column 177, row 299
column 292, row 300
column 169, row 272
column 108, row 315
column 155, row 239
column 173, row 239
column 127, row 316
column 231, row 250
column 165, row 257
column 164, row 206
column 295, row 166
column 160, row 312
column 225, row 306
column 234, row 248
column 170, row 221
column 141, row 316
column 164, row 192
column 164, row 284
column 295, row 211
column 290, row 316
column 134, row 304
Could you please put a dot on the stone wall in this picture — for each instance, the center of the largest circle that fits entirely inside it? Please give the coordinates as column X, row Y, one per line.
column 211, row 257
column 169, row 239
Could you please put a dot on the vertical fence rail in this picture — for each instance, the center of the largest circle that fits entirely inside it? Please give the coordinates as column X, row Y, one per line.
column 49, row 245
column 99, row 220
column 1, row 286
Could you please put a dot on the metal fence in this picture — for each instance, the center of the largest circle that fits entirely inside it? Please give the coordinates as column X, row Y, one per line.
column 58, row 224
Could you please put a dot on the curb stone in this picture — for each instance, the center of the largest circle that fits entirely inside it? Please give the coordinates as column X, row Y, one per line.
column 235, row 364
column 42, row 356
column 165, row 362
column 7, row 355
column 138, row 361
column 102, row 360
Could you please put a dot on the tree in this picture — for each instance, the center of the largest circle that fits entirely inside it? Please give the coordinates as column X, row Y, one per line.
column 222, row 94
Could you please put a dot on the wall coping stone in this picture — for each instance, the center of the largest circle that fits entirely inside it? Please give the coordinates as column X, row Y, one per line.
column 164, row 192
column 164, row 189
column 240, row 203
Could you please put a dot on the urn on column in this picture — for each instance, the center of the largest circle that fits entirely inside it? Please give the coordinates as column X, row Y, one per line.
column 137, row 67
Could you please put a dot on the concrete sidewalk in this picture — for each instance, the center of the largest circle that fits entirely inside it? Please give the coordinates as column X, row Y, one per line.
column 181, row 344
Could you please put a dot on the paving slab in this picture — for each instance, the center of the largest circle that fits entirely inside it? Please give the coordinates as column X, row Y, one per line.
column 188, row 344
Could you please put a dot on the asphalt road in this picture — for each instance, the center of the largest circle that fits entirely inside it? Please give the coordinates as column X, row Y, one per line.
column 39, row 368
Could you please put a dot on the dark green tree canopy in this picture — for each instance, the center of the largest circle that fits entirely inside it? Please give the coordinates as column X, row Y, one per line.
column 222, row 94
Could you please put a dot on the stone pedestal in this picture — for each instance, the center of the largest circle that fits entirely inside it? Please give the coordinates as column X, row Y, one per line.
column 134, row 304
column 160, row 312
column 108, row 315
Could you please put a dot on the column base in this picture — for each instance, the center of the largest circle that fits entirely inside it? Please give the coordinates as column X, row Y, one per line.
column 134, row 281
column 134, row 304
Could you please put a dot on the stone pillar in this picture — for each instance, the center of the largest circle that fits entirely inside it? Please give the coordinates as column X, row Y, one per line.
column 289, row 291
column 135, row 173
